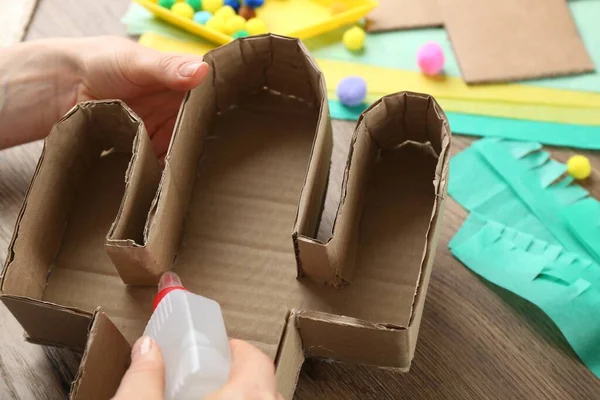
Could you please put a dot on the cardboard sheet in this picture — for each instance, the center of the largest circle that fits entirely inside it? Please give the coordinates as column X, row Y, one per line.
column 554, row 134
column 404, row 14
column 564, row 285
column 514, row 39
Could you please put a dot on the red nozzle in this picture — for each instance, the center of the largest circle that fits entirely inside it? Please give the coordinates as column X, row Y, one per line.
column 168, row 282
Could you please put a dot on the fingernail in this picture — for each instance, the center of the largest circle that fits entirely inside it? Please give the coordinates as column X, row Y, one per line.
column 189, row 69
column 141, row 348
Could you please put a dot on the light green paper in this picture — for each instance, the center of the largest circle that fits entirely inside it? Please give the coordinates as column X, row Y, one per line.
column 549, row 133
column 561, row 291
column 528, row 186
column 515, row 184
column 583, row 220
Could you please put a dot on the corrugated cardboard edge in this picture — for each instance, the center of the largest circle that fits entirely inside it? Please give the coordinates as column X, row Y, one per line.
column 141, row 184
column 314, row 189
column 105, row 359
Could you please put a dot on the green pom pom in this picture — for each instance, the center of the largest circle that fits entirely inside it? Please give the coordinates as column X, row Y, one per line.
column 196, row 4
column 240, row 34
column 166, row 3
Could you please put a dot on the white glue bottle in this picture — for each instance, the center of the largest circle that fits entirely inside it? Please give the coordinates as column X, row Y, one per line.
column 191, row 334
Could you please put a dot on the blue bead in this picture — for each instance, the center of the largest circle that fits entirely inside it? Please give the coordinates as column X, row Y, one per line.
column 235, row 4
column 201, row 17
column 352, row 91
column 254, row 3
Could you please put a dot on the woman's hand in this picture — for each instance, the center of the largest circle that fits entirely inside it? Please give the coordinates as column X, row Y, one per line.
column 252, row 375
column 41, row 80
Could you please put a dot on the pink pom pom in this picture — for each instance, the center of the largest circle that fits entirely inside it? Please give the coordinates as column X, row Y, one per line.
column 430, row 58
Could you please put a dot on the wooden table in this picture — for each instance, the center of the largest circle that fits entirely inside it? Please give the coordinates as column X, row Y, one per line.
column 476, row 341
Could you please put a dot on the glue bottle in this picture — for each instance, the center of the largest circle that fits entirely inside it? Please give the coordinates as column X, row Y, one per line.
column 191, row 334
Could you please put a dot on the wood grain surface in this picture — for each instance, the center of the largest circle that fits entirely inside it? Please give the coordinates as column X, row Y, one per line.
column 476, row 341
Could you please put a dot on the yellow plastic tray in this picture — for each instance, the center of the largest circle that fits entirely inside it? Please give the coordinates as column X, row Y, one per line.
column 295, row 18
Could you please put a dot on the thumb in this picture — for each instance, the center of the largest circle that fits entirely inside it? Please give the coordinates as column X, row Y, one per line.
column 150, row 68
column 145, row 378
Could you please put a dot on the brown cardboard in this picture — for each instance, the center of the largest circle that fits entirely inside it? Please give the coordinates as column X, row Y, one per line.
column 514, row 39
column 236, row 214
column 105, row 359
column 391, row 15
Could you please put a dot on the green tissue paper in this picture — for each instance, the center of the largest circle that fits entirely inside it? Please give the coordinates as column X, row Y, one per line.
column 565, row 285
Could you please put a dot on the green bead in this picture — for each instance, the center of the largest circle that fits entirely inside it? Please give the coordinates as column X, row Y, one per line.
column 240, row 34
column 196, row 4
column 166, row 3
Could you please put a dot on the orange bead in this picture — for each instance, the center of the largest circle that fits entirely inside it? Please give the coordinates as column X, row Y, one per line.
column 247, row 12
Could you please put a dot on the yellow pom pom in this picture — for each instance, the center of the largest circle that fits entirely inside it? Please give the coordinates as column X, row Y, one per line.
column 579, row 167
column 235, row 24
column 212, row 5
column 217, row 24
column 354, row 38
column 225, row 12
column 183, row 10
column 256, row 26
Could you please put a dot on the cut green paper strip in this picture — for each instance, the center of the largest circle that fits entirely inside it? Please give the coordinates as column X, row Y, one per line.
column 562, row 284
column 518, row 185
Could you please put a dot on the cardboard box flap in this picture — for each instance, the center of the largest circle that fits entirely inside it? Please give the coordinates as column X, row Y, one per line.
column 392, row 122
column 346, row 339
column 50, row 323
column 104, row 362
column 290, row 358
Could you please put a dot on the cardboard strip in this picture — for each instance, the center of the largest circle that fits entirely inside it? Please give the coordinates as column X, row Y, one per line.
column 50, row 323
column 404, row 14
column 343, row 339
column 104, row 362
column 514, row 39
column 289, row 359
